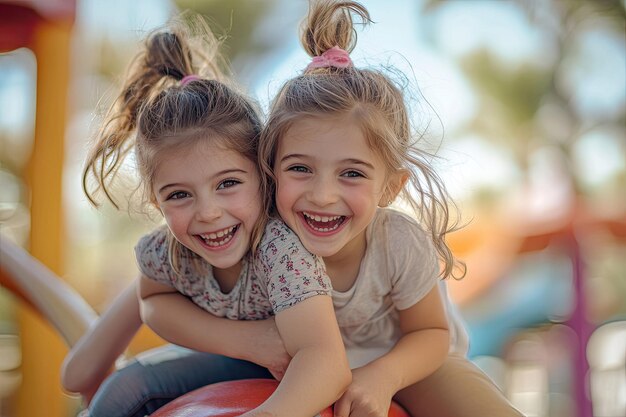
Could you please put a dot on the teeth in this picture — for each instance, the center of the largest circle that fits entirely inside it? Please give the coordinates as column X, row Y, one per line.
column 220, row 243
column 324, row 229
column 323, row 219
column 226, row 234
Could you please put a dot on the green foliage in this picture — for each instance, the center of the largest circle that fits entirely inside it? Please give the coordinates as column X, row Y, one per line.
column 516, row 90
column 511, row 94
column 236, row 19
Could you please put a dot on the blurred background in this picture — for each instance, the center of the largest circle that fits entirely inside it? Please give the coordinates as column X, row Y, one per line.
column 524, row 100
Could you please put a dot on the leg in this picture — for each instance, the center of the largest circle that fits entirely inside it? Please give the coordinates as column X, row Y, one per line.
column 147, row 384
column 457, row 389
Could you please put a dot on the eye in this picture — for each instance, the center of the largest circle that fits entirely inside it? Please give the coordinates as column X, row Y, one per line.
column 228, row 183
column 298, row 168
column 352, row 174
column 177, row 195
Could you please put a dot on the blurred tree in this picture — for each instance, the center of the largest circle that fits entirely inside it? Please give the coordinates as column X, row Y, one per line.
column 534, row 104
column 553, row 101
column 235, row 20
column 238, row 20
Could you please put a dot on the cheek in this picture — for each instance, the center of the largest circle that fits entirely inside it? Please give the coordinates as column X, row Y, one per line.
column 243, row 202
column 174, row 220
column 284, row 185
column 255, row 209
column 284, row 195
column 283, row 200
column 248, row 206
column 362, row 198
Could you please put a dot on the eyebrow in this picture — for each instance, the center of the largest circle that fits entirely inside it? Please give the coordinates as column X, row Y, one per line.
column 218, row 174
column 359, row 162
column 347, row 160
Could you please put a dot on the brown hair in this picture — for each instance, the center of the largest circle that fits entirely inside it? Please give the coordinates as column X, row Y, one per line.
column 155, row 113
column 376, row 102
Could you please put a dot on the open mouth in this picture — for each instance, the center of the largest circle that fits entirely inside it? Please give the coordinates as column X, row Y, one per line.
column 219, row 238
column 323, row 224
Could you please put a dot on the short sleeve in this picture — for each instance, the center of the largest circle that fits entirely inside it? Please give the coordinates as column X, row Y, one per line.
column 414, row 261
column 151, row 253
column 292, row 273
column 194, row 277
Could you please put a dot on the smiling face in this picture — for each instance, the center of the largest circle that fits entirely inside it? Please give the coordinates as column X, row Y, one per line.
column 328, row 185
column 210, row 199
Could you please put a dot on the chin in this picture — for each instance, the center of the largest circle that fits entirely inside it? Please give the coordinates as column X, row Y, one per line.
column 223, row 263
column 320, row 251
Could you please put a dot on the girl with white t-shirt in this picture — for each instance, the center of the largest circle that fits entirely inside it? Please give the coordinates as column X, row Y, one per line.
column 339, row 150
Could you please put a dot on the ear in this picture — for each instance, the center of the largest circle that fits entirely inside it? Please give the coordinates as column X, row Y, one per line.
column 395, row 184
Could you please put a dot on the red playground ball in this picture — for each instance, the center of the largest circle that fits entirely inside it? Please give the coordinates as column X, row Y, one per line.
column 232, row 399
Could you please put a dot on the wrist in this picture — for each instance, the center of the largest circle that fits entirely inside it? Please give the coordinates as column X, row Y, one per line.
column 383, row 375
column 245, row 345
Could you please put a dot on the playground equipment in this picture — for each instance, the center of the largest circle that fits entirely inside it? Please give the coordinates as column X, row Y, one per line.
column 232, row 398
column 70, row 315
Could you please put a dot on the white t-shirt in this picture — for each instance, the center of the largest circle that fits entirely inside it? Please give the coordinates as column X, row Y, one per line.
column 399, row 268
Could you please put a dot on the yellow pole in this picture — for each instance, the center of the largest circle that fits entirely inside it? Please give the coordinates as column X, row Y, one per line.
column 42, row 349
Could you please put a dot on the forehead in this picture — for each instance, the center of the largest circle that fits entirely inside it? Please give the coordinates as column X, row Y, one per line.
column 201, row 157
column 329, row 137
column 321, row 124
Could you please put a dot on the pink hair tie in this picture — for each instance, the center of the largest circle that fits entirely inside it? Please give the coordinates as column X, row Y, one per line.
column 334, row 57
column 189, row 78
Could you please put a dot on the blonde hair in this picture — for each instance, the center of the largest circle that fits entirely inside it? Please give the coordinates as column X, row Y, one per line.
column 156, row 114
column 371, row 98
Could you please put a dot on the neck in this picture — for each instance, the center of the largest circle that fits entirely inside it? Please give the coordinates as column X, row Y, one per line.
column 343, row 267
column 227, row 277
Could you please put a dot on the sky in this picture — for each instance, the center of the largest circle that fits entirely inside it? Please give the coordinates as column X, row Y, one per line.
column 425, row 53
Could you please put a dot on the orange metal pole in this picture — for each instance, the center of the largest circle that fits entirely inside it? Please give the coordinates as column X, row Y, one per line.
column 42, row 349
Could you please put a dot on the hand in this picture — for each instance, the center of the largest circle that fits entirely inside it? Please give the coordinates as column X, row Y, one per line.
column 267, row 348
column 367, row 395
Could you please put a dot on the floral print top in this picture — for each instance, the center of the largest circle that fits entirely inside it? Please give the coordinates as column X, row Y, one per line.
column 279, row 275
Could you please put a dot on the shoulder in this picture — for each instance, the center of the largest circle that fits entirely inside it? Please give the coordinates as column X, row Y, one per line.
column 151, row 253
column 408, row 252
column 400, row 239
column 153, row 257
column 153, row 243
column 280, row 245
column 276, row 228
column 398, row 227
column 277, row 233
column 291, row 273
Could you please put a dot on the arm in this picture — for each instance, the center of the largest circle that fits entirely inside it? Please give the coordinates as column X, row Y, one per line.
column 319, row 372
column 419, row 352
column 163, row 309
column 93, row 356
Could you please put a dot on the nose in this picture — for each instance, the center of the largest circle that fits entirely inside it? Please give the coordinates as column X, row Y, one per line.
column 207, row 211
column 323, row 191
